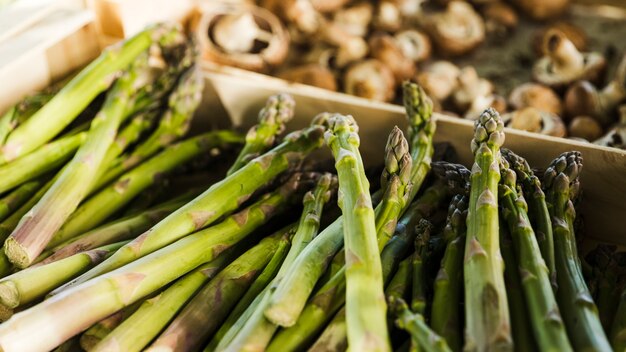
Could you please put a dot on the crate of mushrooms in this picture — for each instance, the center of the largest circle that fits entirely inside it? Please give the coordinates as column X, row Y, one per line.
column 554, row 67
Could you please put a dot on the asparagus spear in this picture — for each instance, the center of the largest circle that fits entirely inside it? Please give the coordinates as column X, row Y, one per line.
column 173, row 125
column 113, row 291
column 37, row 228
column 418, row 290
column 278, row 110
column 606, row 273
column 100, row 330
column 543, row 310
column 102, row 205
column 331, row 297
column 577, row 308
column 18, row 197
column 456, row 176
column 537, row 207
column 445, row 314
column 53, row 117
column 257, row 331
column 415, row 325
column 42, row 160
column 119, row 230
column 22, row 111
column 618, row 328
column 400, row 284
column 217, row 298
column 219, row 199
column 136, row 332
column 30, row 284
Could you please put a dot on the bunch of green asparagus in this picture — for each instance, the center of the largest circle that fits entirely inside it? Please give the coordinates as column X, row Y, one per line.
column 122, row 233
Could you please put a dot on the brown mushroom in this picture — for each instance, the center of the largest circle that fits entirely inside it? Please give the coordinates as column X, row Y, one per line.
column 537, row 96
column 439, row 79
column 351, row 48
column 387, row 16
column 327, row 6
column 575, row 34
column 386, row 49
column 248, row 37
column 457, row 30
column 410, row 9
column 563, row 63
column 312, row 74
column 470, row 88
column 500, row 19
column 585, row 127
column 482, row 103
column 542, row 9
column 301, row 13
column 533, row 120
column 616, row 137
column 370, row 79
column 355, row 19
column 414, row 44
column 583, row 98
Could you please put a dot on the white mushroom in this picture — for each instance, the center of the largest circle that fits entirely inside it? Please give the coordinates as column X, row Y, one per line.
column 533, row 120
column 370, row 79
column 457, row 30
column 439, row 79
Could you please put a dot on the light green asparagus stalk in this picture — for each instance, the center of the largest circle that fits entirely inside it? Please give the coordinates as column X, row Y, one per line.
column 521, row 328
column 136, row 332
column 537, row 207
column 445, row 318
column 30, row 284
column 575, row 302
column 119, row 230
column 414, row 324
column 215, row 300
column 330, row 298
column 37, row 228
column 111, row 199
column 486, row 310
column 418, row 290
column 543, row 310
column 40, row 161
column 85, row 304
column 278, row 110
column 618, row 329
column 218, row 200
column 12, row 201
column 100, row 330
column 173, row 125
column 367, row 328
column 22, row 111
column 53, row 117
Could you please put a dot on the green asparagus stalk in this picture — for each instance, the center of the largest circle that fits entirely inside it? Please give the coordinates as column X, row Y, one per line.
column 278, row 110
column 173, row 125
column 136, row 332
column 606, row 273
column 97, row 332
column 334, row 336
column 42, row 160
column 521, row 326
column 22, row 111
column 330, row 298
column 119, row 230
column 418, row 290
column 53, row 117
column 445, row 316
column 218, row 200
column 486, row 310
column 113, row 291
column 537, row 208
column 30, row 284
column 367, row 328
column 414, row 324
column 618, row 328
column 217, row 298
column 103, row 204
column 541, row 304
column 400, row 284
column 17, row 198
column 575, row 302
column 37, row 228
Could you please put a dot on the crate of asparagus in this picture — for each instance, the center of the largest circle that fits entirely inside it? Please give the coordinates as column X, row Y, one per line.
column 127, row 225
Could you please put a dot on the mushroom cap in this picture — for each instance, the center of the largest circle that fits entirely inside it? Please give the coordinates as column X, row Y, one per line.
column 326, row 6
column 537, row 96
column 370, row 79
column 585, row 127
column 574, row 33
column 470, row 87
column 355, row 19
column 414, row 44
column 582, row 98
column 482, row 103
column 457, row 30
column 542, row 9
column 311, row 74
column 533, row 120
column 273, row 54
column 385, row 48
column 499, row 17
column 439, row 79
column 387, row 16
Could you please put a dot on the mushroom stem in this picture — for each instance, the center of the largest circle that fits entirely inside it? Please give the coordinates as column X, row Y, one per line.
column 563, row 52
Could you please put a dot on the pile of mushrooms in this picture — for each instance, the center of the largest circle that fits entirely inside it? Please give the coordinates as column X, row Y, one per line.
column 367, row 48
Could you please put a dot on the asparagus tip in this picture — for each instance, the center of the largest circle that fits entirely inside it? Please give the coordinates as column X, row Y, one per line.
column 418, row 105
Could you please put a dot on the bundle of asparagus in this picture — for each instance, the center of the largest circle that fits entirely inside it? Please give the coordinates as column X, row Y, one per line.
column 103, row 253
